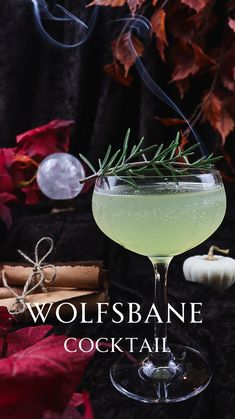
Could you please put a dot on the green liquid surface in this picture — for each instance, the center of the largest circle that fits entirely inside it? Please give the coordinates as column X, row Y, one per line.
column 159, row 223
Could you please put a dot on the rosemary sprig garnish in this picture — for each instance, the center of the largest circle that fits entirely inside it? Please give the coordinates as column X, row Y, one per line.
column 136, row 163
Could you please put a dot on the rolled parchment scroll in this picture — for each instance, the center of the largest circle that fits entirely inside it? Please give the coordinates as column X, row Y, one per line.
column 82, row 275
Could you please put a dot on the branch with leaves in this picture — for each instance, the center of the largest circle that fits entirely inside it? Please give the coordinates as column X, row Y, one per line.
column 181, row 29
column 147, row 161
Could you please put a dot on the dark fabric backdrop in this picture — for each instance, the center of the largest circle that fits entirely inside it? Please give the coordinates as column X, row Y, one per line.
column 39, row 83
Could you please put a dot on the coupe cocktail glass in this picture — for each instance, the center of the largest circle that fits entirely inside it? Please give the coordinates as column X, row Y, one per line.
column 160, row 217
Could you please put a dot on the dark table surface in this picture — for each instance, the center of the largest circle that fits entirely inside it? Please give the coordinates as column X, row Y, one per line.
column 76, row 237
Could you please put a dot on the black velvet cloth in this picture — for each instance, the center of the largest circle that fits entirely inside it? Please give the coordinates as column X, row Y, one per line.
column 77, row 237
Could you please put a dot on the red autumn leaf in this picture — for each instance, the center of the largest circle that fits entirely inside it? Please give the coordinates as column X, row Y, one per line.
column 49, row 375
column 189, row 60
column 126, row 48
column 6, row 184
column 6, row 158
column 44, row 140
column 170, row 121
column 215, row 113
column 231, row 24
column 23, row 170
column 196, row 4
column 32, row 147
column 134, row 5
column 116, row 71
column 112, row 3
column 23, row 173
column 22, row 338
column 158, row 25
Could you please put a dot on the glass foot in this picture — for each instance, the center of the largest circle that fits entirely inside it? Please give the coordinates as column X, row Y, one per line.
column 185, row 375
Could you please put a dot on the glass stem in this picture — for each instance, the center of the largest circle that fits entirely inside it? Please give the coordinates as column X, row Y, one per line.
column 160, row 364
column 160, row 266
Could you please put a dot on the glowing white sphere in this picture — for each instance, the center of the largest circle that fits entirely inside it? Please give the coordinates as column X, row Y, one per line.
column 58, row 176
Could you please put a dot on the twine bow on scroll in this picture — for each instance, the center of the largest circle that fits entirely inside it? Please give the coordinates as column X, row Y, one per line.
column 35, row 280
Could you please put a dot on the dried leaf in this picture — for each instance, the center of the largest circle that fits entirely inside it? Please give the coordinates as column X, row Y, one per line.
column 228, row 70
column 134, row 5
column 178, row 22
column 116, row 71
column 225, row 125
column 215, row 113
column 170, row 121
column 126, row 48
column 231, row 24
column 158, row 25
column 112, row 3
column 189, row 59
column 196, row 4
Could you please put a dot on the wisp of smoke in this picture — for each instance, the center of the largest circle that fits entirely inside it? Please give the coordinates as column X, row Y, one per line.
column 140, row 24
column 61, row 14
column 143, row 27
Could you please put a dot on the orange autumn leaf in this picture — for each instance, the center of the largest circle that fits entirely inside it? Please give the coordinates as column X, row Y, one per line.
column 215, row 113
column 126, row 48
column 231, row 24
column 116, row 71
column 134, row 5
column 112, row 3
column 170, row 121
column 196, row 4
column 158, row 26
column 189, row 58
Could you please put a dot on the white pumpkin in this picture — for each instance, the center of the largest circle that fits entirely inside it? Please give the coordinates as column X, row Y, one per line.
column 216, row 271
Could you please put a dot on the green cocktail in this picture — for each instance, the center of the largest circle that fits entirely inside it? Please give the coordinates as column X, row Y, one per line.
column 159, row 217
column 153, row 221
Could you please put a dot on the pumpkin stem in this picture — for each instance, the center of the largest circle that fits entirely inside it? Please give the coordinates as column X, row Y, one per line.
column 210, row 255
